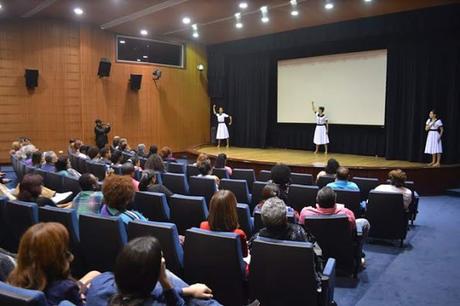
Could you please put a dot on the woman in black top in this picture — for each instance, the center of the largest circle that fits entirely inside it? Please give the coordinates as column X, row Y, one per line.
column 148, row 183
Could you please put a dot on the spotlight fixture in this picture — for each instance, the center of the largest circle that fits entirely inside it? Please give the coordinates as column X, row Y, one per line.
column 186, row 20
column 294, row 11
column 78, row 11
column 144, row 32
column 122, row 42
column 264, row 11
column 1, row 6
column 243, row 5
column 156, row 75
column 329, row 5
column 195, row 30
column 367, row 0
column 238, row 23
column 200, row 67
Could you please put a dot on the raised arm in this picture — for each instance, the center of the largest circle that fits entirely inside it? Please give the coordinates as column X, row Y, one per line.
column 428, row 125
column 214, row 109
column 231, row 120
column 313, row 107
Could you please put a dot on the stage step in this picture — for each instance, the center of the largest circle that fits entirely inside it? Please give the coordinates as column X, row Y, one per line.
column 455, row 192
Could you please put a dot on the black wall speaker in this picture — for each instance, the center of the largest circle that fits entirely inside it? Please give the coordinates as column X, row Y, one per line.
column 31, row 78
column 135, row 81
column 104, row 68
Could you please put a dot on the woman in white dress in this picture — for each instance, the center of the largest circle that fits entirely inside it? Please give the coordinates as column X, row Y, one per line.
column 222, row 130
column 322, row 128
column 433, row 145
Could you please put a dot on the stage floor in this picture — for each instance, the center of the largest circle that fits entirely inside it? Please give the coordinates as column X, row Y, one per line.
column 305, row 158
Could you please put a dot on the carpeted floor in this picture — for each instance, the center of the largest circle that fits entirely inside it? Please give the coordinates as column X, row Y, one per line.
column 425, row 272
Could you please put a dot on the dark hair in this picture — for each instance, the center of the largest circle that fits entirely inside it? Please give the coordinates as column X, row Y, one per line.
column 103, row 152
column 36, row 158
column 343, row 173
column 88, row 182
column 397, row 177
column 155, row 162
column 118, row 191
column 165, row 152
column 123, row 144
column 136, row 271
column 30, row 188
column 116, row 157
column 134, row 159
column 281, row 174
column 221, row 161
column 326, row 197
column 127, row 169
column 269, row 191
column 222, row 212
column 321, row 108
column 84, row 149
column 92, row 152
column 153, row 149
column 205, row 168
column 147, row 176
column 98, row 121
column 434, row 112
column 115, row 141
column 332, row 166
column 62, row 163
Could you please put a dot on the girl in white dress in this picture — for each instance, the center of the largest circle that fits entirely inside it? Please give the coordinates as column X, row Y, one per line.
column 222, row 130
column 322, row 127
column 433, row 145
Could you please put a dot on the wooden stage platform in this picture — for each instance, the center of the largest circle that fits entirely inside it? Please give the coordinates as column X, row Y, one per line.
column 428, row 180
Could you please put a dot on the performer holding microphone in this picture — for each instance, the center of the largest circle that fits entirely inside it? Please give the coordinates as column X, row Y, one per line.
column 101, row 130
column 433, row 145
column 322, row 128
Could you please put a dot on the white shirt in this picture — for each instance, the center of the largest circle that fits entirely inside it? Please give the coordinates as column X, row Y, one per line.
column 321, row 119
column 407, row 193
column 221, row 117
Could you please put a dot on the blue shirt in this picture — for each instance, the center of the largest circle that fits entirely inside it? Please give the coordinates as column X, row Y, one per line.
column 61, row 290
column 48, row 167
column 343, row 185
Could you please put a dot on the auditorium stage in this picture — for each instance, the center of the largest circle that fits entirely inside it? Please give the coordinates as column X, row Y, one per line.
column 428, row 180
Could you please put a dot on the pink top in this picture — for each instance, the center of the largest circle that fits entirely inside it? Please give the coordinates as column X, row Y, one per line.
column 336, row 210
column 135, row 184
column 229, row 170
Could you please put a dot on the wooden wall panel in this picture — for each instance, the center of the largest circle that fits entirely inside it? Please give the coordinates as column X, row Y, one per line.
column 175, row 111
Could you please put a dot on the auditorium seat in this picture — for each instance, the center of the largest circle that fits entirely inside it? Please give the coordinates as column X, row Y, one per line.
column 42, row 173
column 244, row 174
column 244, row 219
column 300, row 196
column 192, row 171
column 258, row 224
column 387, row 216
column 351, row 199
column 81, row 165
column 264, row 175
column 101, row 239
column 18, row 217
column 220, row 173
column 73, row 161
column 54, row 182
column 152, row 205
column 257, row 188
column 176, row 168
column 301, row 179
column 116, row 169
column 71, row 184
column 99, row 170
column 187, row 211
column 215, row 259
column 365, row 185
column 283, row 273
column 142, row 161
column 324, row 180
column 176, row 182
column 15, row 296
column 167, row 235
column 203, row 186
column 239, row 188
column 337, row 240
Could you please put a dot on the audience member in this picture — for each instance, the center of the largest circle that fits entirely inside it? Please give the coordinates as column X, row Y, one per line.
column 200, row 159
column 50, row 159
column 37, row 159
column 90, row 199
column 221, row 162
column 93, row 153
column 223, row 217
column 140, row 151
column 104, row 156
column 25, row 154
column 7, row 264
column 397, row 179
column 330, row 170
column 155, row 162
column 123, row 146
column 115, row 143
column 269, row 191
column 342, row 181
column 166, row 154
column 43, row 263
column 30, row 190
column 128, row 169
column 140, row 278
column 153, row 150
column 148, row 183
column 83, row 151
column 118, row 192
column 15, row 147
column 281, row 176
column 205, row 170
column 116, row 157
column 62, row 166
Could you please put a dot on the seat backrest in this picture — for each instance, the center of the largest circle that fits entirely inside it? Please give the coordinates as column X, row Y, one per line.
column 258, row 223
column 244, row 219
column 71, row 184
column 220, row 173
column 142, row 161
column 324, row 180
column 101, row 239
column 336, row 238
column 14, row 296
column 177, row 168
column 272, row 283
column 167, row 235
column 365, row 185
column 54, row 182
column 264, row 175
column 73, row 161
column 176, row 182
column 385, row 212
column 238, row 187
column 301, row 196
column 192, row 171
column 67, row 217
column 82, row 165
column 351, row 199
column 257, row 188
column 244, row 174
column 98, row 169
column 152, row 205
column 18, row 217
column 203, row 186
column 187, row 211
column 43, row 174
column 301, row 179
column 215, row 258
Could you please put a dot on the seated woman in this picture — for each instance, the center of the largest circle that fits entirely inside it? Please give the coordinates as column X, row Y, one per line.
column 166, row 155
column 105, row 156
column 116, row 158
column 271, row 191
column 397, row 179
column 330, row 170
column 221, row 162
column 155, row 163
column 62, row 166
column 37, row 159
column 15, row 147
column 140, row 278
column 118, row 191
column 280, row 174
column 205, row 170
column 224, row 218
column 30, row 190
column 200, row 159
column 148, row 183
column 140, row 151
column 43, row 263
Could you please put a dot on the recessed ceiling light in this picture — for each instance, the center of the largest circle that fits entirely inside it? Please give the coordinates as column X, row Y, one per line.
column 329, row 6
column 243, row 5
column 238, row 25
column 122, row 42
column 186, row 20
column 294, row 13
column 196, row 35
column 1, row 6
column 78, row 11
column 367, row 0
column 144, row 32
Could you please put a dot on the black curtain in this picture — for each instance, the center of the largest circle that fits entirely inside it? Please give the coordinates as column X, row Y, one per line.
column 423, row 73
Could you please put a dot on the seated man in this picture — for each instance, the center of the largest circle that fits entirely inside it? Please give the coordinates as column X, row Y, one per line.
column 50, row 158
column 89, row 200
column 397, row 180
column 342, row 182
column 128, row 169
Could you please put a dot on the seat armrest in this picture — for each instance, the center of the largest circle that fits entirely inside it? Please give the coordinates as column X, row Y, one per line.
column 328, row 283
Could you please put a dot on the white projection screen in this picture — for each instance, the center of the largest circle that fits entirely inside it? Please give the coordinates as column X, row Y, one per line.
column 351, row 86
